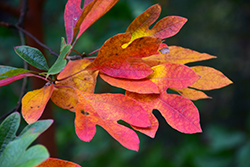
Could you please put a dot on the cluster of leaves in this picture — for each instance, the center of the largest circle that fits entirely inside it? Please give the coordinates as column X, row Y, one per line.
column 138, row 61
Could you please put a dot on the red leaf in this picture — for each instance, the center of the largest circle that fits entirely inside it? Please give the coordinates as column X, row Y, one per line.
column 105, row 110
column 54, row 162
column 180, row 113
column 173, row 75
column 143, row 86
column 34, row 102
column 119, row 62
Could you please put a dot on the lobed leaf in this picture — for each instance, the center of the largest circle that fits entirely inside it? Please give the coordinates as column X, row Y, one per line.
column 143, row 86
column 15, row 74
column 177, row 54
column 54, row 162
column 8, row 129
column 165, row 28
column 126, row 63
column 34, row 102
column 180, row 113
column 32, row 56
column 60, row 61
column 73, row 76
column 191, row 94
column 210, row 78
column 17, row 154
column 105, row 110
column 173, row 75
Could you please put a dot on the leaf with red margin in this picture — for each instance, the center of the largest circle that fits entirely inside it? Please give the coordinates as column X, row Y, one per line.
column 177, row 54
column 191, row 94
column 34, row 102
column 179, row 112
column 54, row 162
column 75, row 76
column 15, row 74
column 165, row 28
column 125, row 63
column 173, row 75
column 143, row 86
column 210, row 78
column 105, row 110
column 97, row 10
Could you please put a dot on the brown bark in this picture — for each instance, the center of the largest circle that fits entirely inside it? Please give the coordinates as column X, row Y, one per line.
column 33, row 24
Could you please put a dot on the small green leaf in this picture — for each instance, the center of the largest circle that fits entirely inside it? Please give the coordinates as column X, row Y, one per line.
column 8, row 129
column 4, row 69
column 14, row 72
column 33, row 56
column 63, row 43
column 60, row 62
column 16, row 153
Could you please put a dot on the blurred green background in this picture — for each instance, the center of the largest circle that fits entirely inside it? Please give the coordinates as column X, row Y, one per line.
column 220, row 28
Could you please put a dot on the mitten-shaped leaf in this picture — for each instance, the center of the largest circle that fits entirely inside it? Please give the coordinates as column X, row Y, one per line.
column 210, row 78
column 34, row 102
column 119, row 62
column 73, row 76
column 105, row 110
column 177, row 54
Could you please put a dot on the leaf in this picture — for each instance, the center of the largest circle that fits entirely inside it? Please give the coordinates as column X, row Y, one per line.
column 180, row 113
column 105, row 110
column 191, row 94
column 33, row 56
column 14, row 150
column 165, row 28
column 60, row 62
column 34, row 102
column 77, row 19
column 115, row 61
column 15, row 74
column 54, row 162
column 210, row 78
column 173, row 75
column 73, row 76
column 8, row 129
column 17, row 154
column 143, row 86
column 177, row 54
column 94, row 12
column 4, row 69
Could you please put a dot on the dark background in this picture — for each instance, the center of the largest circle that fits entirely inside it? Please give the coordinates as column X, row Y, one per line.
column 220, row 28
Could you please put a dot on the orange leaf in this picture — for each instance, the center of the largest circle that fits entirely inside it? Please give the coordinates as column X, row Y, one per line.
column 105, row 110
column 177, row 54
column 34, row 102
column 210, row 78
column 75, row 76
column 54, row 162
column 191, row 94
column 173, row 75
column 94, row 10
column 164, row 28
column 143, row 86
column 180, row 113
column 115, row 61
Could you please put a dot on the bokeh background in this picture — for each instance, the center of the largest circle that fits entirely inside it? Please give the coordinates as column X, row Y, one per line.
column 220, row 28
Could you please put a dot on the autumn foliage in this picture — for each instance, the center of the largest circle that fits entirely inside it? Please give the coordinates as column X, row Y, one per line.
column 137, row 61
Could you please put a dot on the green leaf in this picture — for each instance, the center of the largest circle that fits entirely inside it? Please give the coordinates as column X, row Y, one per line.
column 4, row 69
column 14, row 150
column 16, row 153
column 33, row 56
column 38, row 126
column 8, row 129
column 14, row 72
column 60, row 62
column 63, row 43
